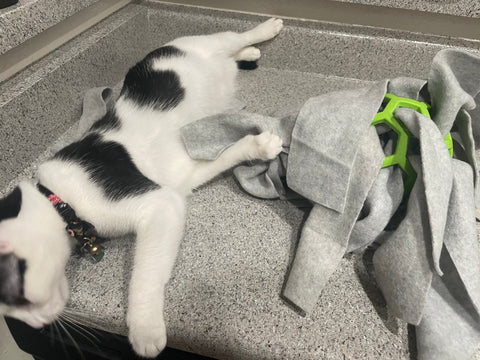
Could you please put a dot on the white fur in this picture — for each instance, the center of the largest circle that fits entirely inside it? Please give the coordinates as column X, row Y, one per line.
column 38, row 235
column 152, row 138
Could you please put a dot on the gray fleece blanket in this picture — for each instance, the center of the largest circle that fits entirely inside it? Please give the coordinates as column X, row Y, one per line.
column 427, row 262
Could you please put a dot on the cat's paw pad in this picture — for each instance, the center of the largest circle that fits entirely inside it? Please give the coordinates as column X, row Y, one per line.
column 271, row 27
column 148, row 339
column 268, row 145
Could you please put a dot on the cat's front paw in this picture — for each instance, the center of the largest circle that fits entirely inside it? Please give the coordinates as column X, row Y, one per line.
column 147, row 336
column 268, row 145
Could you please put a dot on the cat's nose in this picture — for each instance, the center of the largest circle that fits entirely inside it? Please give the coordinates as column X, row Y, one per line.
column 12, row 270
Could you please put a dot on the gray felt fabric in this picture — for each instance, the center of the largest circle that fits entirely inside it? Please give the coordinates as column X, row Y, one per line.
column 326, row 232
column 427, row 262
column 451, row 310
column 405, row 248
column 96, row 103
column 407, row 87
column 432, row 252
column 459, row 71
column 435, row 161
column 461, row 97
column 325, row 141
column 380, row 205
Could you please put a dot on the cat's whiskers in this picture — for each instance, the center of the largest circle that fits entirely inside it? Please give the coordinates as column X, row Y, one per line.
column 57, row 334
column 71, row 339
column 82, row 317
column 80, row 329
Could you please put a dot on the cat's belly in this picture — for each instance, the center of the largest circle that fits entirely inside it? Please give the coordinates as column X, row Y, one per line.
column 159, row 154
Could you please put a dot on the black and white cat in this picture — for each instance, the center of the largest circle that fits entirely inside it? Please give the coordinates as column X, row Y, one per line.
column 129, row 173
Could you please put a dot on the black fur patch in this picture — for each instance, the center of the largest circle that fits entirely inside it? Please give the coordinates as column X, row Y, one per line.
column 11, row 204
column 109, row 122
column 159, row 89
column 109, row 165
column 164, row 52
column 12, row 271
column 247, row 65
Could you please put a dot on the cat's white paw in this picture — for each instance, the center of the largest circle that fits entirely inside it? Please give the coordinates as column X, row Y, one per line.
column 271, row 27
column 250, row 53
column 147, row 336
column 268, row 145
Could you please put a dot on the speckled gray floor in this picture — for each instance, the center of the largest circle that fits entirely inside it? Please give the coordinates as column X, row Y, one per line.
column 29, row 17
column 453, row 7
column 224, row 297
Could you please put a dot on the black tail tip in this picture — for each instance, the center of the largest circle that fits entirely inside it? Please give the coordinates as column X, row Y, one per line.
column 247, row 65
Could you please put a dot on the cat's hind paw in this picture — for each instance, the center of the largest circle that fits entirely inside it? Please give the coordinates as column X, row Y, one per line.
column 250, row 53
column 270, row 28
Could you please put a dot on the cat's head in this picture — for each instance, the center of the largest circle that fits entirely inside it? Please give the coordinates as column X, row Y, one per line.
column 34, row 249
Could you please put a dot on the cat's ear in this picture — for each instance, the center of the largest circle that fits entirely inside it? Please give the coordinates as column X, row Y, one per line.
column 11, row 204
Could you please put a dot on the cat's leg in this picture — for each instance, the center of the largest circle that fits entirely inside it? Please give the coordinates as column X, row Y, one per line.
column 159, row 230
column 230, row 43
column 263, row 32
column 265, row 146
